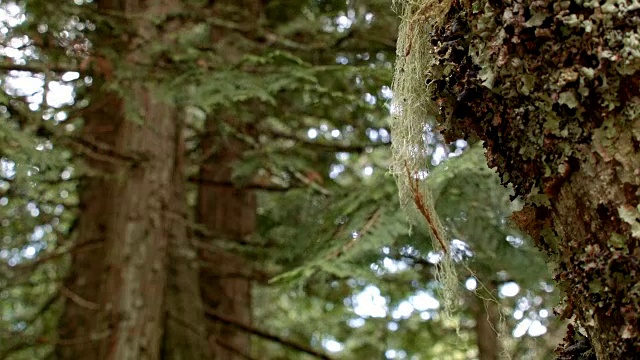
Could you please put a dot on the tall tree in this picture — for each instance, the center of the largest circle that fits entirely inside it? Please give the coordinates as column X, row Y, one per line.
column 551, row 88
column 226, row 210
column 228, row 213
column 115, row 307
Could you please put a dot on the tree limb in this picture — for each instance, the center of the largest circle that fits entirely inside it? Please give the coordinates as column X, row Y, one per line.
column 265, row 335
column 10, row 66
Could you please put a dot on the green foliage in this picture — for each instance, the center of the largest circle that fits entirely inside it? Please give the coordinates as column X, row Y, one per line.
column 325, row 262
column 473, row 205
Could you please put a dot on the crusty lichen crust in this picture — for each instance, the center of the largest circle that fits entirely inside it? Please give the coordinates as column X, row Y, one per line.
column 552, row 87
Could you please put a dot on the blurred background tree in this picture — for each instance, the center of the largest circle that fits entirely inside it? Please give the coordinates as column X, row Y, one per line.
column 279, row 188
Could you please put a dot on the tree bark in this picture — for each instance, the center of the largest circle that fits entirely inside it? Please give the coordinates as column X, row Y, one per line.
column 185, row 327
column 228, row 213
column 557, row 104
column 122, row 284
column 117, row 294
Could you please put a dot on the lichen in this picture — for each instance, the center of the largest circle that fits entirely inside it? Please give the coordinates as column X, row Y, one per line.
column 552, row 87
column 411, row 118
column 632, row 217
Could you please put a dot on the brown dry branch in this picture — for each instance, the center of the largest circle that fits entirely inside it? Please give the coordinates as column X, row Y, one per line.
column 265, row 335
column 365, row 229
column 418, row 199
column 79, row 299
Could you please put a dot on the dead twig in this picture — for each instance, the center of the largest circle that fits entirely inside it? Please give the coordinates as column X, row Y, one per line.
column 79, row 299
column 265, row 335
column 419, row 201
column 365, row 229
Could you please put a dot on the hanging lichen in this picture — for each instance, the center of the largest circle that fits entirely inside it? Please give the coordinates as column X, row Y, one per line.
column 412, row 117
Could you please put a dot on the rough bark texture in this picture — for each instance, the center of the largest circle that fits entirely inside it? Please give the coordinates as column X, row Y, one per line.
column 185, row 328
column 553, row 88
column 122, row 283
column 228, row 213
column 116, row 295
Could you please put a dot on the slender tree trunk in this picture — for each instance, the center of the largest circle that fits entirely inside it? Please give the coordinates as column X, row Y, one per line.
column 117, row 292
column 486, row 313
column 228, row 213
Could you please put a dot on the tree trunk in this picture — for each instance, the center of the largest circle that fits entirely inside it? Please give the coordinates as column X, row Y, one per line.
column 185, row 328
column 486, row 314
column 117, row 292
column 228, row 213
column 114, row 307
column 557, row 103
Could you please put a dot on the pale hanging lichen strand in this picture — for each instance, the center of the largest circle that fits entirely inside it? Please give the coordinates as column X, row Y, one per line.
column 413, row 114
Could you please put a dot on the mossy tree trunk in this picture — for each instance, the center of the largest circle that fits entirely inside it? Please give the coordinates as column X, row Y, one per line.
column 121, row 288
column 553, row 90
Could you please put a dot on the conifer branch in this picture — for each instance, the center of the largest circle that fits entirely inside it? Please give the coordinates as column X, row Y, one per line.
column 311, row 183
column 375, row 216
column 53, row 255
column 265, row 335
column 10, row 66
column 328, row 146
column 26, row 341
column 28, row 322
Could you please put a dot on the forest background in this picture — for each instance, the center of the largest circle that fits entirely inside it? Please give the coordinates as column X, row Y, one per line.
column 191, row 179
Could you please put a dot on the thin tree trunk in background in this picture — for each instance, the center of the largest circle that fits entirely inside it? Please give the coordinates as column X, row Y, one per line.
column 116, row 293
column 227, row 212
column 486, row 313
